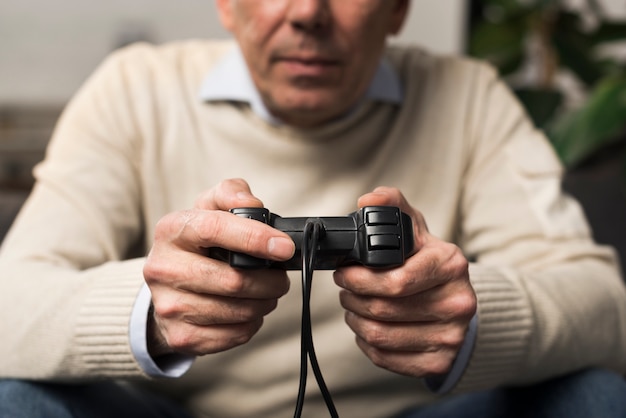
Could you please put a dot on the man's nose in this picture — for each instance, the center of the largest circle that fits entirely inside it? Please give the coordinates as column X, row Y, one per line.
column 309, row 15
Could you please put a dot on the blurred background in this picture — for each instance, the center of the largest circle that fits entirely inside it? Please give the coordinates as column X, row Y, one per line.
column 565, row 59
column 48, row 49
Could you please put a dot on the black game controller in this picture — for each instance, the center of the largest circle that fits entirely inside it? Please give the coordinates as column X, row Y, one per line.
column 374, row 236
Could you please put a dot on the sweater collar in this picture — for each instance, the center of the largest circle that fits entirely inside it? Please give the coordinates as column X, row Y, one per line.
column 230, row 80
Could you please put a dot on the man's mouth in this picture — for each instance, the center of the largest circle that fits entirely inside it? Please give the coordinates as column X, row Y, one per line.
column 308, row 66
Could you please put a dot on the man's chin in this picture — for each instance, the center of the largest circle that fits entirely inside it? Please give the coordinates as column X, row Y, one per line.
column 308, row 113
column 307, row 117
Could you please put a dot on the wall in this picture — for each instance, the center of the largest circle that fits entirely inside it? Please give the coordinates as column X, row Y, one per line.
column 47, row 48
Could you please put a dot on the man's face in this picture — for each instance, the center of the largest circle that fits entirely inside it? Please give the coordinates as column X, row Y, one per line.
column 311, row 60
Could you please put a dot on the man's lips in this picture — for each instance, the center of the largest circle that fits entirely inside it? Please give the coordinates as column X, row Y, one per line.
column 308, row 66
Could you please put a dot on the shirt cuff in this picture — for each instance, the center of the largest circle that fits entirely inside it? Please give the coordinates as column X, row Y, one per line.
column 171, row 365
column 444, row 383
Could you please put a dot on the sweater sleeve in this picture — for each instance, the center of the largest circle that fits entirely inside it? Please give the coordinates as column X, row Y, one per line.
column 67, row 281
column 550, row 300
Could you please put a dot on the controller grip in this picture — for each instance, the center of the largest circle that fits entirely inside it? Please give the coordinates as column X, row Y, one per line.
column 245, row 261
column 374, row 236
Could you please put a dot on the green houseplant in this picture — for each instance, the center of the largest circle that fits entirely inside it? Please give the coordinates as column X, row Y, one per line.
column 547, row 39
column 535, row 44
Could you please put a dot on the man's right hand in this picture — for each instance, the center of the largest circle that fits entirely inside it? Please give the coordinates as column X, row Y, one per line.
column 202, row 305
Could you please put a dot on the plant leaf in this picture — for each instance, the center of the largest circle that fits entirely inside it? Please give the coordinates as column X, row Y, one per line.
column 502, row 44
column 602, row 120
column 502, row 10
column 608, row 32
column 575, row 49
column 541, row 104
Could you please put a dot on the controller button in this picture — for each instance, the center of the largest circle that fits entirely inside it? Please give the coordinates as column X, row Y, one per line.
column 382, row 218
column 257, row 216
column 384, row 242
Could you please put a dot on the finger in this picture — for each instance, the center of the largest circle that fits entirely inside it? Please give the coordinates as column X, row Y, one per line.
column 197, row 340
column 205, row 310
column 384, row 196
column 452, row 302
column 231, row 193
column 196, row 230
column 389, row 196
column 194, row 273
column 408, row 336
column 434, row 265
column 410, row 363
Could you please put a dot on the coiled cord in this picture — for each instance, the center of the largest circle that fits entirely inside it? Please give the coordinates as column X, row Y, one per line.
column 313, row 230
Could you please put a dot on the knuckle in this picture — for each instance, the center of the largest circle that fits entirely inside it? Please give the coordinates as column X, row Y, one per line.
column 468, row 304
column 253, row 238
column 251, row 311
column 269, row 283
column 156, row 270
column 235, row 183
column 448, row 252
column 375, row 334
column 180, row 341
column 282, row 285
column 163, row 225
column 438, row 365
column 234, row 284
column 242, row 338
column 241, row 334
column 207, row 341
column 458, row 264
column 452, row 338
column 456, row 308
column 152, row 270
column 211, row 226
column 172, row 225
column 268, row 306
column 461, row 305
column 398, row 284
column 167, row 309
column 377, row 357
column 380, row 309
column 449, row 261
column 196, row 267
column 234, row 312
column 228, row 187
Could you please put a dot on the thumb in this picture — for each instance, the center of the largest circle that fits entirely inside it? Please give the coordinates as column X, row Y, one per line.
column 231, row 193
column 385, row 196
column 391, row 196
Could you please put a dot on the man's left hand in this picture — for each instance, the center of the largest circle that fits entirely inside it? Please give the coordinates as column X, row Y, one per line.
column 411, row 319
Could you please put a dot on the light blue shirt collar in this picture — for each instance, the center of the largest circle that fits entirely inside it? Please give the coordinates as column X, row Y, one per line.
column 230, row 80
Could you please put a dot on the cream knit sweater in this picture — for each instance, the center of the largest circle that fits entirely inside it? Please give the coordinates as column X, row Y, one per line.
column 137, row 143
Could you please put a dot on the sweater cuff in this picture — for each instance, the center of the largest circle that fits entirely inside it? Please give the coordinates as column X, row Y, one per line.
column 102, row 342
column 505, row 324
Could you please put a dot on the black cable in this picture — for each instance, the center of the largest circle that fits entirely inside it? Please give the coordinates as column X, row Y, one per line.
column 305, row 324
column 311, row 348
column 312, row 231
